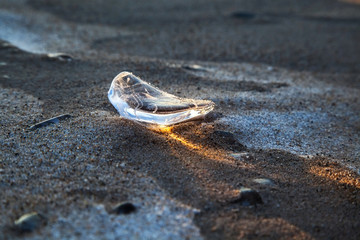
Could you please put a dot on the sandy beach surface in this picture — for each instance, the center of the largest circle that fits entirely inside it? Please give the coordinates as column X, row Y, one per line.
column 278, row 158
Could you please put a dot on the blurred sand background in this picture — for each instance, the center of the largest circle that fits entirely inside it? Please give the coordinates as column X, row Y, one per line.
column 284, row 76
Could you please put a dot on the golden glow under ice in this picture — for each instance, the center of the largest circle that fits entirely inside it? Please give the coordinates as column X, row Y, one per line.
column 169, row 133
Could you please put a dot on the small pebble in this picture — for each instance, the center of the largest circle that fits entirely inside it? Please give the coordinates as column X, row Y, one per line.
column 50, row 121
column 124, row 208
column 3, row 63
column 240, row 155
column 194, row 67
column 263, row 181
column 7, row 45
column 60, row 56
column 29, row 222
column 248, row 197
column 243, row 15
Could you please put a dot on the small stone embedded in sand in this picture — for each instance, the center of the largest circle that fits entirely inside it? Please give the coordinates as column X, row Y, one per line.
column 243, row 15
column 241, row 155
column 6, row 45
column 263, row 181
column 29, row 222
column 137, row 100
column 124, row 208
column 60, row 56
column 248, row 197
column 194, row 67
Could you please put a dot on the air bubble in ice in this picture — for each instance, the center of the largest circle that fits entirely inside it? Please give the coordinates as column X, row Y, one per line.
column 137, row 100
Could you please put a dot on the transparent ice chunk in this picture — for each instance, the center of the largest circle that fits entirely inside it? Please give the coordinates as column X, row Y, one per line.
column 137, row 100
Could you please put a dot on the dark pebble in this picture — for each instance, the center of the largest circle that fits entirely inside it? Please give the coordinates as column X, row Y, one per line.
column 243, row 15
column 124, row 208
column 50, row 121
column 29, row 222
column 248, row 197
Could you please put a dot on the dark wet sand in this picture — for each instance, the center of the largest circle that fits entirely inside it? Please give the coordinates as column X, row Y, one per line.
column 96, row 158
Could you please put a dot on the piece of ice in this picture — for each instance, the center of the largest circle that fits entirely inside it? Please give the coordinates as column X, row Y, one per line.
column 137, row 100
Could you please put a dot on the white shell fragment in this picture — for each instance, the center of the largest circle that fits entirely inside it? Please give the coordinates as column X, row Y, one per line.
column 137, row 100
